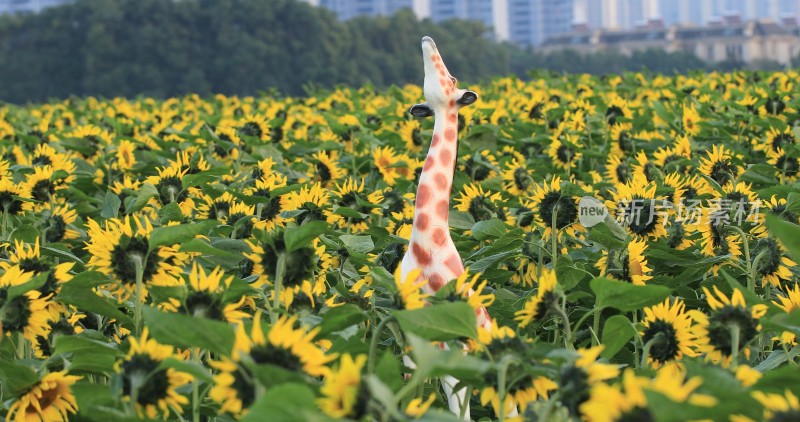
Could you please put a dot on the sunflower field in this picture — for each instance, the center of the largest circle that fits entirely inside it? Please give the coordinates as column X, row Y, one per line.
column 234, row 258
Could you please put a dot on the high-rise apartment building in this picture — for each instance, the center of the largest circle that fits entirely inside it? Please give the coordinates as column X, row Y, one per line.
column 530, row 22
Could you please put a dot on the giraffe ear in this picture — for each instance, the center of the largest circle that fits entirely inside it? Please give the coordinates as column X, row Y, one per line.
column 421, row 110
column 467, row 98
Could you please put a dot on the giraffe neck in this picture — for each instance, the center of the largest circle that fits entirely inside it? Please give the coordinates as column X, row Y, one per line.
column 430, row 227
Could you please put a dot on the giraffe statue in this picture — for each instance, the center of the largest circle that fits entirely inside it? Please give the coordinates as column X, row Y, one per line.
column 430, row 247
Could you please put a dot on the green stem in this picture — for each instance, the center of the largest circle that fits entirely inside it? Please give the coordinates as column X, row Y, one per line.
column 596, row 326
column 138, row 262
column 373, row 344
column 734, row 328
column 751, row 276
column 502, row 373
column 659, row 338
column 567, row 329
column 276, row 290
column 582, row 320
column 195, row 390
column 554, row 236
column 746, row 247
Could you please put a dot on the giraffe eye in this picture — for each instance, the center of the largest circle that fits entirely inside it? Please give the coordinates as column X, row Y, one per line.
column 453, row 80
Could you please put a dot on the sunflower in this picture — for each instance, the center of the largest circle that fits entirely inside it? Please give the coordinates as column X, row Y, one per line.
column 771, row 262
column 526, row 390
column 410, row 294
column 675, row 157
column 629, row 265
column 617, row 108
column 124, row 155
column 44, row 346
column 411, row 133
column 714, row 240
column 269, row 212
column 417, row 407
column 550, row 201
column 482, row 205
column 720, row 166
column 788, row 302
column 577, row 378
column 778, row 407
column 622, row 142
column 308, row 203
column 93, row 137
column 169, row 184
column 776, row 139
column 122, row 245
column 479, row 166
column 285, row 346
column 537, row 307
column 58, row 220
column 9, row 194
column 49, row 400
column 517, row 179
column 342, row 390
column 671, row 331
column 640, row 208
column 205, row 297
column 787, row 165
column 727, row 315
column 255, row 127
column 215, row 208
column 690, row 120
column 27, row 313
column 618, row 170
column 565, row 150
column 350, row 195
column 242, row 218
column 385, row 160
column 325, row 168
column 400, row 223
column 29, row 259
column 234, row 387
column 151, row 388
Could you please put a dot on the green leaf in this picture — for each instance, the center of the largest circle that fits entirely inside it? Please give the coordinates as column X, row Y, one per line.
column 48, row 250
column 170, row 212
column 111, row 204
column 461, row 220
column 25, row 233
column 489, row 229
column 388, row 370
column 357, row 244
column 625, row 296
column 786, row 232
column 604, row 236
column 444, row 321
column 273, row 375
column 146, row 192
column 286, row 403
column 301, row 237
column 617, row 331
column 432, row 362
column 77, row 343
column 78, row 292
column 171, row 235
column 185, row 331
column 33, row 283
column 201, row 246
column 341, row 317
column 568, row 274
column 16, row 377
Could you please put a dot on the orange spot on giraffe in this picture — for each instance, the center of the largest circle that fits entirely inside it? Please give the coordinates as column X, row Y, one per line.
column 441, row 181
column 423, row 256
column 442, row 209
column 423, row 195
column 450, row 134
column 452, row 117
column 436, row 281
column 454, row 264
column 439, row 236
column 435, row 140
column 429, row 162
column 452, row 104
column 446, row 156
column 423, row 221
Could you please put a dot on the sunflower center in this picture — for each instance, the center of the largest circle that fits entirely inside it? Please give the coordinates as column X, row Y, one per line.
column 143, row 370
column 524, row 216
column 252, row 129
column 788, row 165
column 204, row 305
column 719, row 332
column 637, row 414
column 42, row 190
column 8, row 203
column 640, row 216
column 170, row 189
column 623, row 173
column 775, row 105
column 42, row 160
column 783, row 212
column 786, row 416
column 476, row 169
column 625, row 141
column 779, row 140
column 574, row 388
column 565, row 154
column 481, row 208
column 521, row 178
column 219, row 210
column 536, row 111
column 722, row 170
column 665, row 349
column 613, row 113
column 245, row 390
column 563, row 206
column 416, row 137
column 15, row 314
column 770, row 262
column 277, row 356
column 124, row 259
column 56, row 229
column 324, row 172
column 299, row 264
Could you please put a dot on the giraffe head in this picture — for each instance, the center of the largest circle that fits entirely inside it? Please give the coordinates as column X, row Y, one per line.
column 441, row 88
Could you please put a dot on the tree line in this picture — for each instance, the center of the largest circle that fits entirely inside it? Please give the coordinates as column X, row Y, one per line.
column 164, row 48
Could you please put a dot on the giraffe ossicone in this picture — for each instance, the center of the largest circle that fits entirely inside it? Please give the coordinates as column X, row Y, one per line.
column 431, row 249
